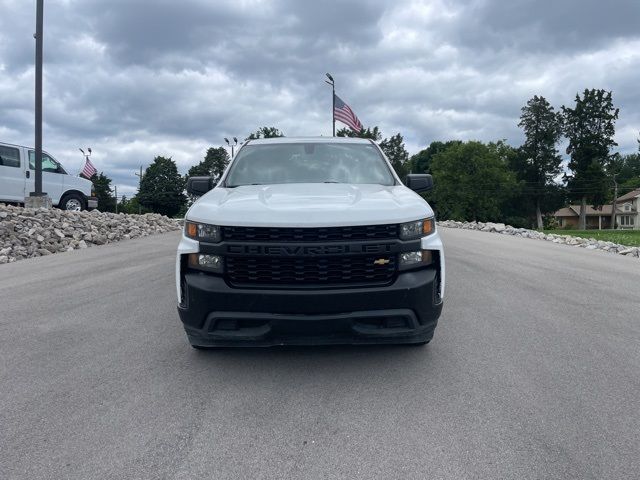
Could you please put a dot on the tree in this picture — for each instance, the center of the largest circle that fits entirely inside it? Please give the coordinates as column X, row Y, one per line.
column 397, row 154
column 624, row 172
column 539, row 161
column 131, row 206
column 161, row 187
column 590, row 127
column 214, row 163
column 374, row 134
column 471, row 182
column 421, row 161
column 629, row 177
column 629, row 185
column 265, row 132
column 102, row 186
column 123, row 205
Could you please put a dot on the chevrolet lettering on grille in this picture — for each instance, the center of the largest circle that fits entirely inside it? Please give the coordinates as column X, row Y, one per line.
column 308, row 250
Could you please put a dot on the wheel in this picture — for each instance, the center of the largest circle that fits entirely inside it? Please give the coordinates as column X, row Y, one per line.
column 72, row 202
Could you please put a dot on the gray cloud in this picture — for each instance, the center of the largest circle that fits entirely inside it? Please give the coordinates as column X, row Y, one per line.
column 135, row 79
column 563, row 25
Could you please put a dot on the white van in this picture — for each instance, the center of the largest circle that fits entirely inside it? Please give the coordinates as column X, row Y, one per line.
column 17, row 179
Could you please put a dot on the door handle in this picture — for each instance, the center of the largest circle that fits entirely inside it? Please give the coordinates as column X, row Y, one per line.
column 28, row 174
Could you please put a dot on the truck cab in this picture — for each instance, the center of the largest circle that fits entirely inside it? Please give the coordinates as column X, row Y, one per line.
column 17, row 179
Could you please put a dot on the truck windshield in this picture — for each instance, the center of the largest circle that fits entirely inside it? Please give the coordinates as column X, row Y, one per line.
column 309, row 163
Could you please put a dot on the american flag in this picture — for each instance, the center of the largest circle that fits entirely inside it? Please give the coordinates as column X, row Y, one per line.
column 343, row 112
column 89, row 170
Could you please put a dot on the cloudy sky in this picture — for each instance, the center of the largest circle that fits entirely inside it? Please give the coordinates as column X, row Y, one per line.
column 138, row 78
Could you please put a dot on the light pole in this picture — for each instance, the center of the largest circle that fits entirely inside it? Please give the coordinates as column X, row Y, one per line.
column 139, row 188
column 232, row 145
column 333, row 100
column 38, row 198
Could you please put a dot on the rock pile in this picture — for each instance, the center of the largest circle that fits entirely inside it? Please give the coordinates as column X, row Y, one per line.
column 27, row 232
column 588, row 243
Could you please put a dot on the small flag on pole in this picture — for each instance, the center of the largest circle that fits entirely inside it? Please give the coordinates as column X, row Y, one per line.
column 342, row 112
column 89, row 170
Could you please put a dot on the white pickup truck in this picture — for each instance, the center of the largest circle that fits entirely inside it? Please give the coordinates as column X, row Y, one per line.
column 17, row 178
column 309, row 241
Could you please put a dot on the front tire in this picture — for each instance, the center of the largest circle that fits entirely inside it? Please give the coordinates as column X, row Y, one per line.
column 73, row 202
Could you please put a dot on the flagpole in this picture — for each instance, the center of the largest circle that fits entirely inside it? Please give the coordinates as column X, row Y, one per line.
column 333, row 101
column 333, row 108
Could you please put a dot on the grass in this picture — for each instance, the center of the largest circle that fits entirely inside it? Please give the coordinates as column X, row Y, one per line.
column 622, row 237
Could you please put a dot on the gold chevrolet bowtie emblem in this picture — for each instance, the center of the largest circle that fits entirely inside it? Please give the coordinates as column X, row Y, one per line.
column 381, row 261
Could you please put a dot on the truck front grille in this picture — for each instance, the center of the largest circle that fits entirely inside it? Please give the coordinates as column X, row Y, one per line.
column 323, row 234
column 311, row 271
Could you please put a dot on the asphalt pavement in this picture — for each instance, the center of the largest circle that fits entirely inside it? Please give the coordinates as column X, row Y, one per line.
column 534, row 373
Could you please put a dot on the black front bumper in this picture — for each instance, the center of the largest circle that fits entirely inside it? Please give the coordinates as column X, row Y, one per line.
column 215, row 314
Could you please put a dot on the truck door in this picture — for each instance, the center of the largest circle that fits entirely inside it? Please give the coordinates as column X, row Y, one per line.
column 52, row 176
column 12, row 174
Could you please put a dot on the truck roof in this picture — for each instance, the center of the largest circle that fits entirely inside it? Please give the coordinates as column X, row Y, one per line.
column 276, row 140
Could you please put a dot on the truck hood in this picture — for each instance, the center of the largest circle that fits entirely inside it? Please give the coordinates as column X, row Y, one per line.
column 309, row 204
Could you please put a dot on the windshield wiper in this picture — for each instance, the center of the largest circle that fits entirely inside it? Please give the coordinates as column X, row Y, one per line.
column 243, row 185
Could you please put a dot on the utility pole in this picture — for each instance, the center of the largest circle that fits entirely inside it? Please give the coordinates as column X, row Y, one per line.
column 139, row 187
column 115, row 192
column 615, row 202
column 38, row 198
column 333, row 100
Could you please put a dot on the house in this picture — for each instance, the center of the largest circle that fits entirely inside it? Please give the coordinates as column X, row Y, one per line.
column 569, row 217
column 629, row 208
column 627, row 214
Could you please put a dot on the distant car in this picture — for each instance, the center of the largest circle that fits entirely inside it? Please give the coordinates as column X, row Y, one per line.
column 309, row 241
column 17, row 179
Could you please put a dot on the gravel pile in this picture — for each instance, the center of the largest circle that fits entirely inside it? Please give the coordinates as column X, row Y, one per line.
column 28, row 232
column 588, row 243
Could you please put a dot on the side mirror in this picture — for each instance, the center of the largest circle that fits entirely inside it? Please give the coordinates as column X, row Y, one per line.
column 198, row 186
column 419, row 182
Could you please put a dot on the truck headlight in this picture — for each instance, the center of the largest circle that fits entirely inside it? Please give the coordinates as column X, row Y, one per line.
column 207, row 263
column 202, row 231
column 417, row 229
column 417, row 258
